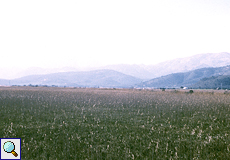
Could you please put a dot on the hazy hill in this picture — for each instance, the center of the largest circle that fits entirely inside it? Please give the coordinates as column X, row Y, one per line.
column 190, row 63
column 4, row 82
column 213, row 82
column 139, row 71
column 14, row 72
column 96, row 78
column 186, row 78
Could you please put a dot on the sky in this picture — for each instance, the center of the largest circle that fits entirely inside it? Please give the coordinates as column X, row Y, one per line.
column 73, row 33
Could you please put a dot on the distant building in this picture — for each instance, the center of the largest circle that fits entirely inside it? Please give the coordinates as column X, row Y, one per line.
column 185, row 88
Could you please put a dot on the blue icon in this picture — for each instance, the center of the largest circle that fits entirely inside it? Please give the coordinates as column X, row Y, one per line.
column 9, row 147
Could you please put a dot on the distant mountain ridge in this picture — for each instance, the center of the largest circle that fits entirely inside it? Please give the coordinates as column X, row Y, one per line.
column 139, row 71
column 173, row 66
column 145, row 72
column 96, row 78
column 171, row 74
column 221, row 82
column 199, row 78
column 176, row 80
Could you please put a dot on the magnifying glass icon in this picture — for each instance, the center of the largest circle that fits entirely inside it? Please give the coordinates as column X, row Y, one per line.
column 9, row 147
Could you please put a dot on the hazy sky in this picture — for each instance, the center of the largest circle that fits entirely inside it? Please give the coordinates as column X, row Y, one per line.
column 58, row 33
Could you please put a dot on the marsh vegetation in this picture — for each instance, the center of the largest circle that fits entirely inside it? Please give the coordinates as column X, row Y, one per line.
column 68, row 123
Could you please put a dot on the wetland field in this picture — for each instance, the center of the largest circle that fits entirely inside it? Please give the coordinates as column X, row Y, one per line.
column 95, row 123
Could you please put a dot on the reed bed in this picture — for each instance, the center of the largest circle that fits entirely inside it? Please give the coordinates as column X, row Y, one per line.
column 77, row 123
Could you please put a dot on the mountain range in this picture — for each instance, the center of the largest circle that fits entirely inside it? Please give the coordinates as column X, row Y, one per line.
column 147, row 72
column 144, row 72
column 176, row 80
column 170, row 74
column 96, row 78
column 221, row 82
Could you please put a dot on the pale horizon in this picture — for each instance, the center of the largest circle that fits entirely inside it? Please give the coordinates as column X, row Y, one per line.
column 57, row 34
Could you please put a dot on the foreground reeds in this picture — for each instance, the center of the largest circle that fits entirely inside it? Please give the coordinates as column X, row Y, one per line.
column 56, row 123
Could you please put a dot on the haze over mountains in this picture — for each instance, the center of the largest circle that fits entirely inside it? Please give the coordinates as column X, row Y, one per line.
column 165, row 74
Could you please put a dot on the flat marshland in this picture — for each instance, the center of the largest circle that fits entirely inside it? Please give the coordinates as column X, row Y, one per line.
column 83, row 123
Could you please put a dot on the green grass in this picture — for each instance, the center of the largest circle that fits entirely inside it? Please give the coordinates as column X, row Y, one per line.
column 57, row 123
